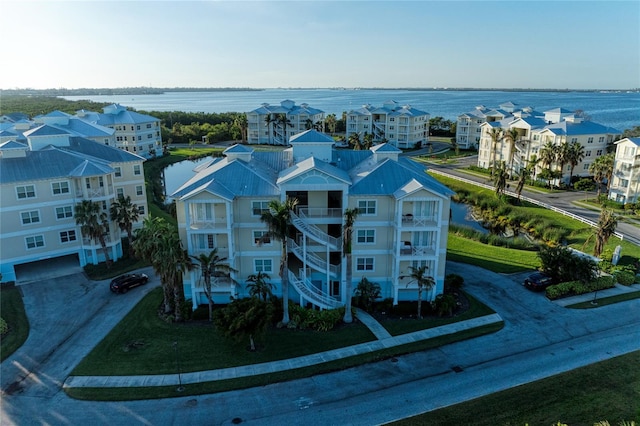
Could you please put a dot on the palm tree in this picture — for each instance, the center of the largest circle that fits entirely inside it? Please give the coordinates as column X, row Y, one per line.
column 94, row 224
column 283, row 121
column 500, row 178
column 548, row 156
column 607, row 224
column 278, row 220
column 242, row 123
column 211, row 265
column 269, row 120
column 308, row 124
column 350, row 216
column 512, row 136
column 563, row 157
column 575, row 156
column 419, row 276
column 367, row 140
column 354, row 140
column 125, row 214
column 525, row 174
column 331, row 121
column 259, row 286
column 602, row 168
column 496, row 136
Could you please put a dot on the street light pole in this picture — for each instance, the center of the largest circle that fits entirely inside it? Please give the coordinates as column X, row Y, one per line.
column 180, row 387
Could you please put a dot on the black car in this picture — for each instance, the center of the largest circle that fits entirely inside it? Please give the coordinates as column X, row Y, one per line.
column 123, row 283
column 538, row 281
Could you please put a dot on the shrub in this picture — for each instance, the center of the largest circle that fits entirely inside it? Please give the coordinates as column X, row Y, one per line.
column 584, row 184
column 625, row 277
column 366, row 294
column 573, row 288
column 453, row 283
column 303, row 318
column 444, row 304
column 4, row 328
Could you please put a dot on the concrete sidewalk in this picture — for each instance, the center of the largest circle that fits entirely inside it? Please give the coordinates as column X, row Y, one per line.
column 601, row 294
column 382, row 342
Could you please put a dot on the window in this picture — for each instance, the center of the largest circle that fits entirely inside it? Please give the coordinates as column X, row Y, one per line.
column 140, row 210
column 599, row 152
column 30, row 217
column 585, row 166
column 204, row 241
column 366, row 236
column 392, row 119
column 136, row 169
column 26, row 191
column 34, row 241
column 148, row 125
column 118, row 171
column 138, row 189
column 139, row 138
column 263, row 265
column 138, row 127
column 149, row 136
column 261, row 235
column 601, row 139
column 67, row 236
column 364, row 264
column 367, row 207
column 64, row 212
column 590, row 139
column 574, row 140
column 119, row 192
column 587, row 154
column 259, row 207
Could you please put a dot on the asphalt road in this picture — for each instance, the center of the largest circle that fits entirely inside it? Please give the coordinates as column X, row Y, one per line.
column 539, row 339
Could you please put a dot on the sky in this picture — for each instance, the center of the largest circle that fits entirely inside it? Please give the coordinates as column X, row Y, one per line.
column 271, row 44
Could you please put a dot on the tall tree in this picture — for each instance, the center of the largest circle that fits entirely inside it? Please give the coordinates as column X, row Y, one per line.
column 607, row 224
column 563, row 157
column 278, row 220
column 512, row 136
column 308, row 124
column 242, row 124
column 602, row 169
column 283, row 121
column 259, row 286
column 331, row 122
column 94, row 225
column 496, row 136
column 500, row 178
column 424, row 281
column 243, row 318
column 125, row 214
column 211, row 266
column 525, row 173
column 354, row 140
column 548, row 156
column 270, row 121
column 367, row 140
column 350, row 216
column 575, row 156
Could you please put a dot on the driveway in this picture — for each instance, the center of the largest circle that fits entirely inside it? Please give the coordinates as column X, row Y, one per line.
column 539, row 339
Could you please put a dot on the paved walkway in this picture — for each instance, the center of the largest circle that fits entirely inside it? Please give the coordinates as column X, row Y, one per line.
column 384, row 341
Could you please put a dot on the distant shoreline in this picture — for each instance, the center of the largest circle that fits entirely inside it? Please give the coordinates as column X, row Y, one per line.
column 161, row 90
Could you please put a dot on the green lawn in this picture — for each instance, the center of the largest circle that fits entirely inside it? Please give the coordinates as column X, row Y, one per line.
column 12, row 311
column 496, row 259
column 604, row 301
column 608, row 390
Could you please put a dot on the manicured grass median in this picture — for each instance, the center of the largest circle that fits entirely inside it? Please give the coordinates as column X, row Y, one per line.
column 608, row 390
column 496, row 259
column 12, row 311
column 604, row 301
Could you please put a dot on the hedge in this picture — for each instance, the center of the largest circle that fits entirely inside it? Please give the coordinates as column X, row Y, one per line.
column 573, row 288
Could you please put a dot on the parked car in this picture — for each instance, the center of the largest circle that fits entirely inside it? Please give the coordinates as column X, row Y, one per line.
column 538, row 281
column 123, row 283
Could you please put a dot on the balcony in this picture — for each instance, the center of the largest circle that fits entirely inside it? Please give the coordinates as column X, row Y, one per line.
column 409, row 220
column 408, row 249
column 319, row 212
column 208, row 223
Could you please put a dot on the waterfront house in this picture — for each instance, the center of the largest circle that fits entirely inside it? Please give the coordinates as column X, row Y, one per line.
column 265, row 126
column 403, row 219
column 399, row 125
column 625, row 184
column 41, row 181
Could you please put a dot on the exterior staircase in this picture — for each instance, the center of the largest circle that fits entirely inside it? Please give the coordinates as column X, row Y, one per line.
column 314, row 232
column 313, row 260
column 312, row 294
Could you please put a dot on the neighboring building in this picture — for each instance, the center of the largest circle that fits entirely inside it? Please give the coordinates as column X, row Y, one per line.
column 556, row 126
column 403, row 219
column 625, row 184
column 41, row 181
column 134, row 132
column 263, row 126
column 399, row 125
column 468, row 125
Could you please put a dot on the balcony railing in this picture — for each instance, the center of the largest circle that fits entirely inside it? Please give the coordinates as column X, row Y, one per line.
column 319, row 212
column 311, row 293
column 416, row 221
column 213, row 223
column 314, row 232
column 313, row 260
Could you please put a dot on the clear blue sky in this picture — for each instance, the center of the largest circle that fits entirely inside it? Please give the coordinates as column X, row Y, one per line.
column 267, row 44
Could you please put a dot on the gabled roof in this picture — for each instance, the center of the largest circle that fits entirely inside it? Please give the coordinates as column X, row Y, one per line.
column 385, row 147
column 237, row 149
column 635, row 141
column 558, row 111
column 309, row 164
column 46, row 130
column 582, row 128
column 89, row 168
column 311, row 135
column 12, row 145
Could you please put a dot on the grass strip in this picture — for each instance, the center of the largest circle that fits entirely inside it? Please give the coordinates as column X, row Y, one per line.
column 122, row 394
column 497, row 259
column 604, row 301
column 606, row 390
column 12, row 311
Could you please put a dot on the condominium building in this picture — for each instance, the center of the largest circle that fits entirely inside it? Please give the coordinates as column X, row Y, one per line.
column 403, row 219
column 399, row 125
column 42, row 180
column 625, row 184
column 265, row 125
column 469, row 124
column 532, row 132
column 134, row 132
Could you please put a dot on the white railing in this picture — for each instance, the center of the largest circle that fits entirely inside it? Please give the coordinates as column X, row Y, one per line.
column 529, row 200
column 311, row 293
column 314, row 232
column 411, row 220
column 412, row 250
column 312, row 259
column 318, row 212
column 218, row 222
